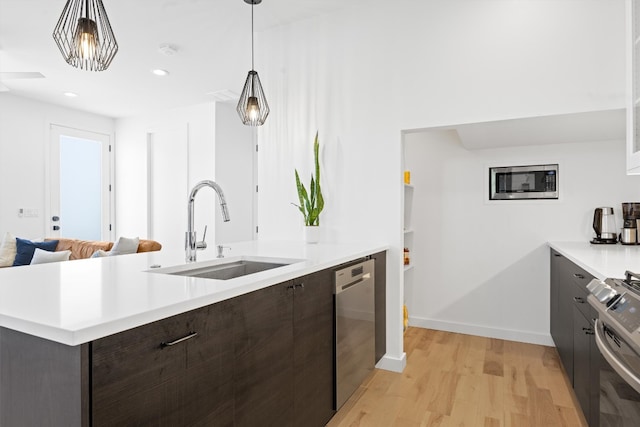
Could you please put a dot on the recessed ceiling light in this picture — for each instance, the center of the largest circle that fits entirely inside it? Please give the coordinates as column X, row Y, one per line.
column 70, row 94
column 159, row 72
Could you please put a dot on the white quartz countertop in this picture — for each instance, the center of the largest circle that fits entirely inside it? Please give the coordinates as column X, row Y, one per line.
column 75, row 302
column 602, row 261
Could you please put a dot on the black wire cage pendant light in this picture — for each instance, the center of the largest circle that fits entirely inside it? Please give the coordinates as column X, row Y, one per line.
column 252, row 106
column 84, row 35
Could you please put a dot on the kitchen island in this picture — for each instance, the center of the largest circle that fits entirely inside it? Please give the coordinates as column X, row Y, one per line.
column 102, row 341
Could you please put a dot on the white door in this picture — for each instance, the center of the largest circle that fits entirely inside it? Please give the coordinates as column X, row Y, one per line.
column 79, row 185
column 168, row 187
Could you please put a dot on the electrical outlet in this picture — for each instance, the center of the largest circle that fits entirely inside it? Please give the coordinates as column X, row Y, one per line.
column 28, row 213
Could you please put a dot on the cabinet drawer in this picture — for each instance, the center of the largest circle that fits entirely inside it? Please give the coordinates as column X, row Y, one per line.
column 580, row 278
column 187, row 381
column 580, row 294
column 132, row 361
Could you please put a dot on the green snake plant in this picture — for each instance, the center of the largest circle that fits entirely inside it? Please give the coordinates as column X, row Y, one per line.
column 312, row 202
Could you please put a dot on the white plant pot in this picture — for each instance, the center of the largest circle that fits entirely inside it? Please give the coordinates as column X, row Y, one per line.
column 311, row 233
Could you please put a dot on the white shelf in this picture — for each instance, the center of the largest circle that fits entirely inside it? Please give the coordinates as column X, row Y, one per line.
column 408, row 267
column 408, row 231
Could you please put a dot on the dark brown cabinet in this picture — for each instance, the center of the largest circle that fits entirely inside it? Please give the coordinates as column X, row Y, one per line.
column 263, row 365
column 284, row 354
column 313, row 350
column 177, row 371
column 572, row 322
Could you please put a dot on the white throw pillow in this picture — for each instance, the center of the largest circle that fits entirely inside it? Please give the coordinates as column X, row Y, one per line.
column 7, row 250
column 41, row 256
column 100, row 253
column 125, row 245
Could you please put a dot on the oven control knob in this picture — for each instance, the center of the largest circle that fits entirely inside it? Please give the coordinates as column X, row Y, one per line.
column 605, row 294
column 595, row 286
column 602, row 291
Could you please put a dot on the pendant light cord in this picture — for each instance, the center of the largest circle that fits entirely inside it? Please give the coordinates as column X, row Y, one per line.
column 252, row 4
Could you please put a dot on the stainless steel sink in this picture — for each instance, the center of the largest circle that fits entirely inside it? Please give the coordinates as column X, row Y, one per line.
column 225, row 270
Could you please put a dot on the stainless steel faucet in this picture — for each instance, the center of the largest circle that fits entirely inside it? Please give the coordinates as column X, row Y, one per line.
column 191, row 244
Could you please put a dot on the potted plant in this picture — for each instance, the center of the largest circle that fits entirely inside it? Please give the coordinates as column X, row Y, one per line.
column 311, row 202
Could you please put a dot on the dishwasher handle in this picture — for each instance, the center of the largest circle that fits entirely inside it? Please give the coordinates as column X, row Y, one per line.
column 354, row 275
column 364, row 278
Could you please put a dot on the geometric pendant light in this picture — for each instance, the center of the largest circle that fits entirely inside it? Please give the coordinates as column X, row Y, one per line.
column 252, row 106
column 84, row 35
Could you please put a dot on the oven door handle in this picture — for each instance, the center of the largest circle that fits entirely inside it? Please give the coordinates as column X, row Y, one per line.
column 615, row 363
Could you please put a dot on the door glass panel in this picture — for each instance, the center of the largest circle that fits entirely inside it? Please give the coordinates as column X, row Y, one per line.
column 80, row 188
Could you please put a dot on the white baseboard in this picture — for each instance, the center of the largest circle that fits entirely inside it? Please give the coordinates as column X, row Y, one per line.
column 392, row 364
column 483, row 331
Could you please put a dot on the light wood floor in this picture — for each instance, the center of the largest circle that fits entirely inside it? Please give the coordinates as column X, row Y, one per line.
column 463, row 380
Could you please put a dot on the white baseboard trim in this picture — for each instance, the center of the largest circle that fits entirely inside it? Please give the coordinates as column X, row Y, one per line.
column 483, row 331
column 392, row 364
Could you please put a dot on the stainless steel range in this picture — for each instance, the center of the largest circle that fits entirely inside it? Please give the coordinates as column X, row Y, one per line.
column 617, row 334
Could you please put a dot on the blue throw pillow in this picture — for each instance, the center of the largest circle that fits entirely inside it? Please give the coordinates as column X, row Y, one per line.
column 25, row 249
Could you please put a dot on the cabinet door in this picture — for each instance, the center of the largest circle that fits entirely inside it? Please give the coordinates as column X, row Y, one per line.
column 554, row 296
column 582, row 338
column 313, row 349
column 134, row 380
column 633, row 86
column 381, row 304
column 138, row 381
column 263, row 370
column 208, row 379
column 564, row 318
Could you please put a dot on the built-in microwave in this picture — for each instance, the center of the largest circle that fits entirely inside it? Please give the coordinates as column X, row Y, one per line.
column 523, row 182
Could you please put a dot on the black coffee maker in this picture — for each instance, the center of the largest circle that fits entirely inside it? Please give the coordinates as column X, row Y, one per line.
column 630, row 216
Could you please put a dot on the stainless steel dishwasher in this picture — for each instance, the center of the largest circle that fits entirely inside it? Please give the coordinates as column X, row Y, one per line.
column 355, row 327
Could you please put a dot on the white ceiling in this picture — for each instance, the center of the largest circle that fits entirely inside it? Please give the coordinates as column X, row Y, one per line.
column 212, row 37
column 606, row 125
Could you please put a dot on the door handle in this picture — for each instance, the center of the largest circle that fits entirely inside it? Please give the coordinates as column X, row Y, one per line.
column 55, row 218
column 179, row 340
column 56, row 227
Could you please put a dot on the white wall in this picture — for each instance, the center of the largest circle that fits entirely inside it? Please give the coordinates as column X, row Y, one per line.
column 215, row 137
column 132, row 162
column 235, row 152
column 366, row 74
column 24, row 139
column 482, row 267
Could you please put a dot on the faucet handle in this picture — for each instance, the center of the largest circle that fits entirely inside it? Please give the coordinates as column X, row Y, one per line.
column 202, row 244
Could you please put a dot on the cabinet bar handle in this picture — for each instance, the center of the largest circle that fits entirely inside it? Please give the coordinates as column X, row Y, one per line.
column 578, row 275
column 578, row 299
column 179, row 340
column 300, row 285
